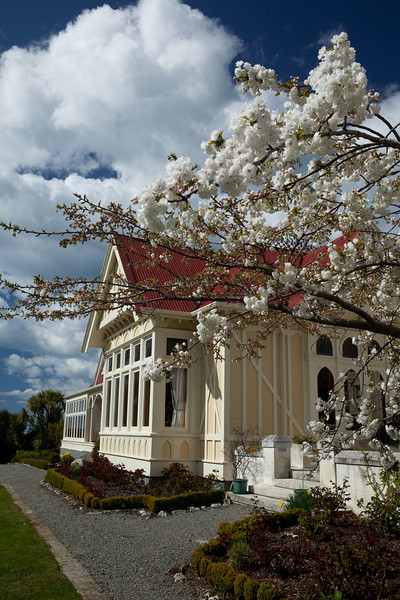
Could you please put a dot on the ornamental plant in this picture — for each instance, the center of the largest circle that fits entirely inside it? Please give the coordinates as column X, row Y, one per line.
column 382, row 512
column 350, row 559
column 66, row 458
column 294, row 216
column 178, row 479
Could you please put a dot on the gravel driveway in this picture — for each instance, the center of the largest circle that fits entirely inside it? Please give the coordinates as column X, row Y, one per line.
column 126, row 554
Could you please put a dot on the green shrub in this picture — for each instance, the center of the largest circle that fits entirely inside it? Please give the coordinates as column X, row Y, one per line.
column 54, row 478
column 238, row 586
column 230, row 577
column 206, row 560
column 382, row 512
column 203, row 564
column 95, row 503
column 196, row 557
column 250, row 589
column 54, row 458
column 214, row 548
column 155, row 504
column 244, row 525
column 50, row 456
column 300, row 499
column 224, row 584
column 211, row 572
column 225, row 529
column 87, row 499
column 220, row 570
column 241, row 553
column 74, row 488
column 119, row 502
column 152, row 503
column 35, row 462
column 266, row 592
column 66, row 458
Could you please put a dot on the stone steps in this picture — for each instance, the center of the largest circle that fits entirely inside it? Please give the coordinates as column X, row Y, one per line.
column 301, row 474
column 270, row 496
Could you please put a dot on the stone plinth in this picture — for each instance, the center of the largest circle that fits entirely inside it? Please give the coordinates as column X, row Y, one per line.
column 276, row 451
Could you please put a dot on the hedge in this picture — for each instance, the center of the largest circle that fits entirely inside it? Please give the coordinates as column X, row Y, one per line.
column 138, row 501
column 155, row 504
column 151, row 503
column 35, row 462
column 50, row 456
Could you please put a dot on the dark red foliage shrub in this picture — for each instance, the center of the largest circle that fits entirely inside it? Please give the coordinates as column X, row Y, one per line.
column 99, row 474
column 178, row 479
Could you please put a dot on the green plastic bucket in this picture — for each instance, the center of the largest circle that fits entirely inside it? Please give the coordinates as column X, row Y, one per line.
column 240, row 486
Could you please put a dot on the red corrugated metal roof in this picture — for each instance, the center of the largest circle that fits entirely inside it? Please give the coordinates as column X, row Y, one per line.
column 321, row 254
column 135, row 259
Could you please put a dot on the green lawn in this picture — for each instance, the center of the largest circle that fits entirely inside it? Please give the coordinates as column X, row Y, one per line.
column 28, row 569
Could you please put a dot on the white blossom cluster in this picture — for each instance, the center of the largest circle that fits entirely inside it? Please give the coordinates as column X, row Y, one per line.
column 211, row 326
column 254, row 78
column 236, row 160
column 259, row 303
column 156, row 370
column 293, row 180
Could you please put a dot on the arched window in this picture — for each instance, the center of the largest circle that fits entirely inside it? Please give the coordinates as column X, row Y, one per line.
column 349, row 349
column 324, row 346
column 378, row 398
column 325, row 385
column 352, row 393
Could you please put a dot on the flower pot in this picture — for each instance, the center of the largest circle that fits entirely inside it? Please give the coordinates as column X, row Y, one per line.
column 239, row 486
column 300, row 492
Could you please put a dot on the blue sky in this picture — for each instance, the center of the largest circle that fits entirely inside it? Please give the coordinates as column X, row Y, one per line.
column 93, row 102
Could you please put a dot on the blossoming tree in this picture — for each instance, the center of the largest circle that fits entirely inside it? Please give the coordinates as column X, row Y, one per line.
column 262, row 213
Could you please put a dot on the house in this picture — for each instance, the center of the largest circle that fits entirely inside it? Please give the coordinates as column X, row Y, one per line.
column 192, row 416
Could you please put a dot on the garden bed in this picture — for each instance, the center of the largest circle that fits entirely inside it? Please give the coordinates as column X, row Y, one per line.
column 294, row 554
column 101, row 485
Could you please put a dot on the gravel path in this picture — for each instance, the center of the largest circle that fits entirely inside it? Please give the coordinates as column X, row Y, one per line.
column 127, row 555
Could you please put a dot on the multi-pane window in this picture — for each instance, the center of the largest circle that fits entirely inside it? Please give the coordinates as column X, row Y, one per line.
column 127, row 398
column 125, row 402
column 108, row 402
column 137, row 353
column 75, row 420
column 135, row 398
column 146, row 403
column 116, row 401
column 148, row 348
column 173, row 342
column 127, row 357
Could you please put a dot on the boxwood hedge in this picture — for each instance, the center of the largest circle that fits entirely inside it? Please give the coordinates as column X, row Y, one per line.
column 151, row 503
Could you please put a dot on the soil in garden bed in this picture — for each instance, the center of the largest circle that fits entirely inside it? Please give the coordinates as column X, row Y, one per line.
column 346, row 554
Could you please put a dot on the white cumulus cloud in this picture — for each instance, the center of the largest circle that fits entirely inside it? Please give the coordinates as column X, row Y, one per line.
column 96, row 109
